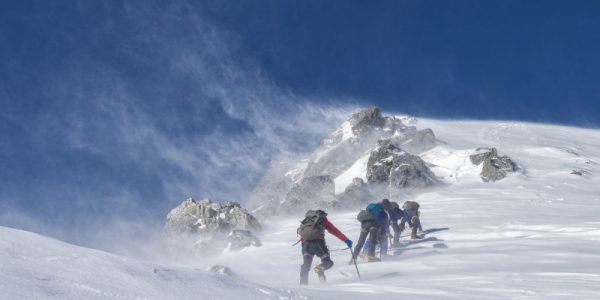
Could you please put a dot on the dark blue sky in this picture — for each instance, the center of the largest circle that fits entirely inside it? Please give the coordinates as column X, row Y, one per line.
column 113, row 111
column 527, row 60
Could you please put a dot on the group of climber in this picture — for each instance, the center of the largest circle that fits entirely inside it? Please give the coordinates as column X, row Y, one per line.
column 375, row 222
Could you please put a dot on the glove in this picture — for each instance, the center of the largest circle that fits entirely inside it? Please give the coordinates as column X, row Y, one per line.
column 349, row 243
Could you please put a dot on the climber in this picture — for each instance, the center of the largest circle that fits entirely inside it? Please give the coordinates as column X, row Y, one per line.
column 312, row 236
column 373, row 225
column 395, row 214
column 411, row 216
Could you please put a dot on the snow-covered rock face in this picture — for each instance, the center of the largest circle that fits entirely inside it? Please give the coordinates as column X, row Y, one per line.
column 495, row 167
column 343, row 156
column 207, row 224
column 360, row 134
column 389, row 165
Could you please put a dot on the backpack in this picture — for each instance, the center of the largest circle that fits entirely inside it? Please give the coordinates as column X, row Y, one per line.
column 370, row 214
column 312, row 227
column 375, row 209
column 410, row 206
column 365, row 215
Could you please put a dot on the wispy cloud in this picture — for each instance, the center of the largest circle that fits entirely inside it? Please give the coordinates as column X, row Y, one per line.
column 175, row 105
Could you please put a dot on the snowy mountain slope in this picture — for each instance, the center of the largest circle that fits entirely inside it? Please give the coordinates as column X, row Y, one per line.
column 36, row 267
column 533, row 235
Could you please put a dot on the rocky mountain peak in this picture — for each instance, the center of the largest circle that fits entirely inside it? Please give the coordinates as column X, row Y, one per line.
column 365, row 120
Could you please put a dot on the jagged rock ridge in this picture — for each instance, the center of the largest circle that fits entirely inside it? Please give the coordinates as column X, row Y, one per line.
column 310, row 182
column 209, row 227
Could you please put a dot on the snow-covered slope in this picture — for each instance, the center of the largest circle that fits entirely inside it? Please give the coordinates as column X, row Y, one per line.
column 36, row 267
column 532, row 235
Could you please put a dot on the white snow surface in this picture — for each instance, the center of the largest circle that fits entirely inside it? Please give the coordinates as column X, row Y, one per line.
column 532, row 235
column 357, row 170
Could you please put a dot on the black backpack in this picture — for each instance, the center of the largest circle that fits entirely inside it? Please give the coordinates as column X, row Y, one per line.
column 312, row 227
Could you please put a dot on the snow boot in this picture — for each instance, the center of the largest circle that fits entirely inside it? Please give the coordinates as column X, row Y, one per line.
column 321, row 273
column 372, row 259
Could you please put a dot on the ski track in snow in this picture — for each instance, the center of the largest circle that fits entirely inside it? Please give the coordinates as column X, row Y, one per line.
column 532, row 235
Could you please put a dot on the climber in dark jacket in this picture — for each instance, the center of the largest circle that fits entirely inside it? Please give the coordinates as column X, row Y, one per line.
column 371, row 226
column 412, row 217
column 396, row 214
column 312, row 237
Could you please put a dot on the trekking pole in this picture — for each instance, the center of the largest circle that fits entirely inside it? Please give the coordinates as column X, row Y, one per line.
column 355, row 265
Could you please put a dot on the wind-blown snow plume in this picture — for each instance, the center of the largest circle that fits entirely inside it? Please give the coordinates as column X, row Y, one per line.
column 173, row 111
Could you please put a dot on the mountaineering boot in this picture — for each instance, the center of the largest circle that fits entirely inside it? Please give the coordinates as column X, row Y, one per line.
column 320, row 273
column 372, row 259
column 364, row 256
column 416, row 236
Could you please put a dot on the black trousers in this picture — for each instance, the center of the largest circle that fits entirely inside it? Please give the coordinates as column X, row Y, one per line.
column 368, row 229
column 309, row 250
column 397, row 231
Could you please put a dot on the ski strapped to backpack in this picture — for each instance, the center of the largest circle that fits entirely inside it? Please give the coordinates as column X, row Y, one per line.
column 312, row 227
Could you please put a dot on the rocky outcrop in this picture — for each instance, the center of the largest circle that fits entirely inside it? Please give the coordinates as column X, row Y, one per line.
column 298, row 184
column 206, row 225
column 366, row 120
column 415, row 141
column 310, row 193
column 390, row 165
column 220, row 270
column 495, row 167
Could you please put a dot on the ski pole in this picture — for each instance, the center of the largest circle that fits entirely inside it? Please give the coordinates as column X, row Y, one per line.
column 338, row 249
column 355, row 265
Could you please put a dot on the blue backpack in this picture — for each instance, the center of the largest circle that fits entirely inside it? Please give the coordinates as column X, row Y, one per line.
column 372, row 213
column 375, row 208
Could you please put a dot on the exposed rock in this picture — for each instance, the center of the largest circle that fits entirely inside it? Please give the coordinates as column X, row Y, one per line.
column 311, row 192
column 241, row 239
column 205, row 225
column 359, row 134
column 207, row 218
column 579, row 172
column 286, row 185
column 416, row 141
column 495, row 167
column 389, row 165
column 220, row 270
column 365, row 120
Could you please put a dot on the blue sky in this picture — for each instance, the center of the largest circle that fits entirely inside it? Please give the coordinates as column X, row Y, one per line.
column 114, row 111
